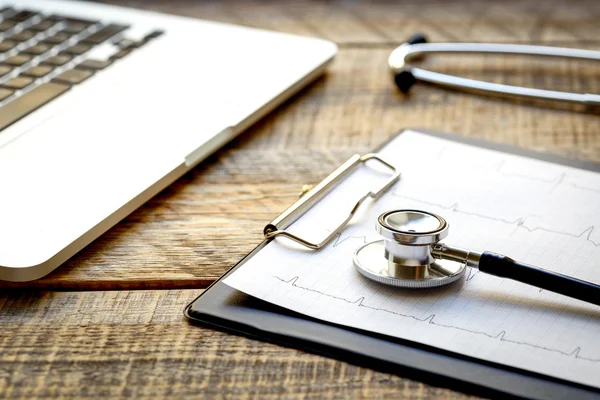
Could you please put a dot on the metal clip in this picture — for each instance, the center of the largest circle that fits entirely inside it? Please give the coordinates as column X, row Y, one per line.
column 310, row 198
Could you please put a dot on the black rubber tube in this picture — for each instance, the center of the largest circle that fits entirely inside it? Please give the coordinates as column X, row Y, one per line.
column 506, row 267
column 405, row 79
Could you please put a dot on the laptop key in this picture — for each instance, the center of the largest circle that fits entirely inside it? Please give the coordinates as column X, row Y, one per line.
column 78, row 49
column 120, row 54
column 45, row 24
column 58, row 60
column 74, row 76
column 7, row 45
column 38, row 49
column 128, row 44
column 104, row 34
column 5, row 69
column 23, row 15
column 23, row 36
column 14, row 110
column 58, row 37
column 153, row 34
column 17, row 60
column 93, row 64
column 6, row 25
column 74, row 25
column 4, row 93
column 38, row 71
column 19, row 82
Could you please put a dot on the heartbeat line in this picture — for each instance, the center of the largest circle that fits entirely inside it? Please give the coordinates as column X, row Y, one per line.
column 560, row 179
column 339, row 239
column 518, row 222
column 472, row 274
column 557, row 180
column 360, row 302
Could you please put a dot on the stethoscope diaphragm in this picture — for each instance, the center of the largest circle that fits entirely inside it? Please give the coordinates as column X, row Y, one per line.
column 405, row 257
column 412, row 256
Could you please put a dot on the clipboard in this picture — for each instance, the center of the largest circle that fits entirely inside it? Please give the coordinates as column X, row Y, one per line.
column 227, row 309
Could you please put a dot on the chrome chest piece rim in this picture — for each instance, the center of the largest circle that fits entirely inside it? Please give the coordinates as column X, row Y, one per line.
column 404, row 257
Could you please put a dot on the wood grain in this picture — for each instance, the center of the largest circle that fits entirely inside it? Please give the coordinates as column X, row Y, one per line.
column 372, row 23
column 199, row 227
column 138, row 345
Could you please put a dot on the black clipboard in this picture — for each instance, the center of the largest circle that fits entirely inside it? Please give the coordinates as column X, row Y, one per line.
column 227, row 309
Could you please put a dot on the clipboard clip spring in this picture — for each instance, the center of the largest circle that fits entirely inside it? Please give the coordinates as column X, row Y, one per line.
column 311, row 197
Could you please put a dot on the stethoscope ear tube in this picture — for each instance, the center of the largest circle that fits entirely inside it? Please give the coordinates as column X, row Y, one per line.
column 506, row 267
column 403, row 78
column 406, row 75
column 411, row 255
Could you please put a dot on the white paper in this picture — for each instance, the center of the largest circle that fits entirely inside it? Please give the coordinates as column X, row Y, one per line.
column 533, row 211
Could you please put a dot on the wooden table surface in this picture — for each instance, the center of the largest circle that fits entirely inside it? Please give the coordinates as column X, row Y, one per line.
column 109, row 321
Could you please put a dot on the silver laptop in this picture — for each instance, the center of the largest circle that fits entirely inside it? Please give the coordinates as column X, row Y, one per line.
column 101, row 107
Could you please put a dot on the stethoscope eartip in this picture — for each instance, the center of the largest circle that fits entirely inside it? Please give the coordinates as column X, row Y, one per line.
column 403, row 77
column 404, row 80
column 417, row 46
column 417, row 38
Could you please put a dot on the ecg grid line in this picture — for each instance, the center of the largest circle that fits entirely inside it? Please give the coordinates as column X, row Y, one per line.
column 559, row 183
column 501, row 336
column 560, row 179
column 519, row 222
column 360, row 302
column 454, row 207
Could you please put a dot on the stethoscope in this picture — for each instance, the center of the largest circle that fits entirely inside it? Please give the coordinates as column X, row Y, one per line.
column 406, row 75
column 410, row 255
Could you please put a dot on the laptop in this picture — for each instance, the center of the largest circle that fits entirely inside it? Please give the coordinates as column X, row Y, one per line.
column 102, row 107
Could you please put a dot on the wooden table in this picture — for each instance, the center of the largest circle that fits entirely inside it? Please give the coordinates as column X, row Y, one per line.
column 109, row 322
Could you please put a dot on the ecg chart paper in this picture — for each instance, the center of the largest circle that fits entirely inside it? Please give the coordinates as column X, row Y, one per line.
column 536, row 212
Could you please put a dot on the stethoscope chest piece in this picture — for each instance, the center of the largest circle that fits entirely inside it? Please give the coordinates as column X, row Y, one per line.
column 404, row 257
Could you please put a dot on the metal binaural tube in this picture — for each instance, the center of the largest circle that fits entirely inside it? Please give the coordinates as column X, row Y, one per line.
column 408, row 238
column 442, row 251
column 405, row 258
column 405, row 75
column 408, row 256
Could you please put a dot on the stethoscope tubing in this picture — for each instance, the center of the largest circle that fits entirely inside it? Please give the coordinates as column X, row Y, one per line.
column 412, row 255
column 405, row 75
column 505, row 267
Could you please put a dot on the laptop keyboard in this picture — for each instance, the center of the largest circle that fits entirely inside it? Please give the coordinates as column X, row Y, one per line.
column 43, row 56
